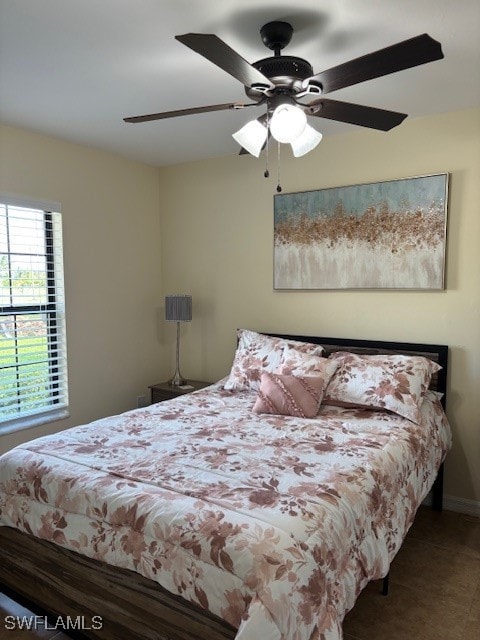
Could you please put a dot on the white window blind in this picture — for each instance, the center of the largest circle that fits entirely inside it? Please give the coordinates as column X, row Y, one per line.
column 33, row 355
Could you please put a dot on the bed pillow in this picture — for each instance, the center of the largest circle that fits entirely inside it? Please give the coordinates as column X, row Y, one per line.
column 256, row 353
column 287, row 395
column 308, row 348
column 296, row 363
column 393, row 382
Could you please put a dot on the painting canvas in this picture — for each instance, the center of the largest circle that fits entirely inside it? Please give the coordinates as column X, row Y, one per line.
column 383, row 235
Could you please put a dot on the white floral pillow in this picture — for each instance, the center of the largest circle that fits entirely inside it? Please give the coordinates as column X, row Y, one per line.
column 396, row 383
column 308, row 348
column 257, row 353
column 297, row 363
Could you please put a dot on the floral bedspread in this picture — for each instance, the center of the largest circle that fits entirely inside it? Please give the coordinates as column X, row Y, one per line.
column 273, row 523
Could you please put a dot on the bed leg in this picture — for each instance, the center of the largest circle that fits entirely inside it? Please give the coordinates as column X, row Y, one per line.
column 385, row 585
column 437, row 491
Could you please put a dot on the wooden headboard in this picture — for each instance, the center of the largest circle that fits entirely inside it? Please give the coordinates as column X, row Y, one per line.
column 436, row 352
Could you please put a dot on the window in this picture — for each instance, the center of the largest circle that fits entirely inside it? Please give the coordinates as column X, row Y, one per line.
column 33, row 359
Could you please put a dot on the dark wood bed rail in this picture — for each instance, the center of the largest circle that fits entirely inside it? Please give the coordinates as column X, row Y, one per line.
column 131, row 607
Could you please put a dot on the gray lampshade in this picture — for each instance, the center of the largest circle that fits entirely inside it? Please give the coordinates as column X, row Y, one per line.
column 178, row 308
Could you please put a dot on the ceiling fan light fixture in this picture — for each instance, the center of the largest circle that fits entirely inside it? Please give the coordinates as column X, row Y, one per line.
column 288, row 123
column 252, row 137
column 306, row 142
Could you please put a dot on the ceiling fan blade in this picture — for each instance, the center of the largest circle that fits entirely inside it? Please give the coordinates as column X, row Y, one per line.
column 404, row 55
column 189, row 112
column 211, row 47
column 355, row 114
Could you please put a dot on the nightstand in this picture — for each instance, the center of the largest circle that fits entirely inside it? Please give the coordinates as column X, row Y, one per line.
column 164, row 391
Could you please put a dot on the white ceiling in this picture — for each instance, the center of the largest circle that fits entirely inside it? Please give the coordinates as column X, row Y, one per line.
column 75, row 68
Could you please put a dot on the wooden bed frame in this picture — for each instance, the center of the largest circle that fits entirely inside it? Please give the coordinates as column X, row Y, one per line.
column 50, row 579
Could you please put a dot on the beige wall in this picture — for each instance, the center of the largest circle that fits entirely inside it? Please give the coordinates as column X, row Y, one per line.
column 111, row 233
column 217, row 219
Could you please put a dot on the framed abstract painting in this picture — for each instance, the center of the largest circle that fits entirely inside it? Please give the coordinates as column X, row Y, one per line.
column 381, row 235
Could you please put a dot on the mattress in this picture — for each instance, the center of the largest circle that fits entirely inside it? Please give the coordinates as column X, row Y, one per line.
column 274, row 523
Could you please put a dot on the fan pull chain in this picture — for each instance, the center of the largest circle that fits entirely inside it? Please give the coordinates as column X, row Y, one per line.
column 266, row 173
column 279, row 186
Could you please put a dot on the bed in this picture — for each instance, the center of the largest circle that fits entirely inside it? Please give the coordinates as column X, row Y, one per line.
column 200, row 518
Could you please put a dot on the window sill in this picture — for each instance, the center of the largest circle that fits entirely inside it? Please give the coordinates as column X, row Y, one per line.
column 33, row 421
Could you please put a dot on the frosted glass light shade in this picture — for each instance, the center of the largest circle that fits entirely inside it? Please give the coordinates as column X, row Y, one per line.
column 306, row 142
column 251, row 137
column 288, row 123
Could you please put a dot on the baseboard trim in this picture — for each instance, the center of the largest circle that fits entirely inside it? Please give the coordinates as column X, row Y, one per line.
column 462, row 505
column 459, row 505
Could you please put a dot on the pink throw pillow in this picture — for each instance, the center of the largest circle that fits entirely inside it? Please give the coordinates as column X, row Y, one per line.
column 289, row 395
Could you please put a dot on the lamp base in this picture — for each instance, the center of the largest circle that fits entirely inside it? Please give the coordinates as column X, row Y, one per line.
column 177, row 380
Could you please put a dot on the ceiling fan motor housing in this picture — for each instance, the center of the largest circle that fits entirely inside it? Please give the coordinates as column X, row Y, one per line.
column 286, row 72
column 276, row 35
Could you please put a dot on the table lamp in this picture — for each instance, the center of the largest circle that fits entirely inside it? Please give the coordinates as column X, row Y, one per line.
column 178, row 308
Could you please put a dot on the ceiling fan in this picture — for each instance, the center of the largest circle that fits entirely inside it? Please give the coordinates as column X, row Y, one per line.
column 281, row 83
